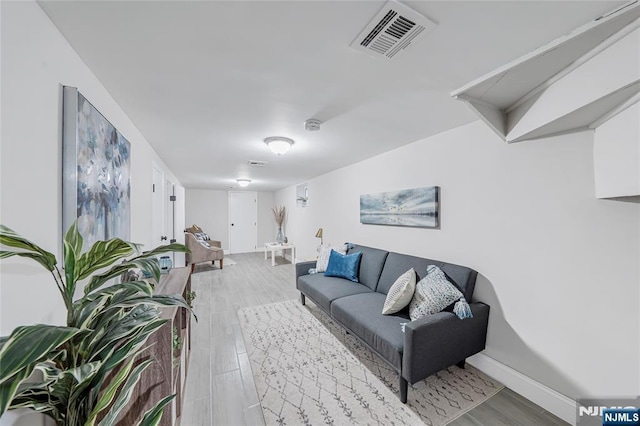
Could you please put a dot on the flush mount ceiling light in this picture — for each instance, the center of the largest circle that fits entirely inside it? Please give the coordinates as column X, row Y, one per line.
column 243, row 182
column 278, row 144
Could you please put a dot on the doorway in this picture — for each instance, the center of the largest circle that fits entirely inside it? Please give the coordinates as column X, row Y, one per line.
column 158, row 208
column 243, row 222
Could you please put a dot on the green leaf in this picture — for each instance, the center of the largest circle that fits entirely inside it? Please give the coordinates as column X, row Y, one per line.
column 74, row 238
column 149, row 265
column 10, row 238
column 69, row 270
column 37, row 399
column 83, row 372
column 158, row 300
column 120, row 330
column 41, row 259
column 9, row 388
column 85, row 311
column 109, row 393
column 29, row 344
column 125, row 394
column 173, row 247
column 153, row 416
column 49, row 374
column 132, row 346
column 83, row 375
column 102, row 254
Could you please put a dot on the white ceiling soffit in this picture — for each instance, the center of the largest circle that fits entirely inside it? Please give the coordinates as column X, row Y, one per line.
column 501, row 96
column 392, row 31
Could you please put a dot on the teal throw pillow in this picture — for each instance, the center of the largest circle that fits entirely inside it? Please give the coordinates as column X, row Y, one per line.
column 343, row 265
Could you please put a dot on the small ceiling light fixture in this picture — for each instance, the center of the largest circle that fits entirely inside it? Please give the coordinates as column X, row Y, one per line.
column 279, row 145
column 243, row 182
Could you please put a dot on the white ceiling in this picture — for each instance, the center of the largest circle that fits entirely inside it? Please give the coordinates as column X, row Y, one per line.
column 207, row 81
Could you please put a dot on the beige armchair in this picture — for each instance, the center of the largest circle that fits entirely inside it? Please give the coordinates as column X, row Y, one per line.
column 199, row 250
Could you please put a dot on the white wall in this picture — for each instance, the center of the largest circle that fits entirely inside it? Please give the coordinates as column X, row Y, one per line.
column 35, row 61
column 209, row 209
column 559, row 267
column 267, row 229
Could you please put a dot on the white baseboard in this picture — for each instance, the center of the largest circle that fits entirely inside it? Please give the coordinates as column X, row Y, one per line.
column 547, row 398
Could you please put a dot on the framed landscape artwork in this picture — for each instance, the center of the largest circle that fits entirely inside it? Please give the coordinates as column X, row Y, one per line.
column 418, row 207
column 96, row 172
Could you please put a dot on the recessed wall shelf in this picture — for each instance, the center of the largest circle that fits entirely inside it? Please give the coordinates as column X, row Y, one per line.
column 567, row 85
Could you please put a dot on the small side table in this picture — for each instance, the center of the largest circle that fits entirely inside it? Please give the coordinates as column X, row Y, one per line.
column 273, row 247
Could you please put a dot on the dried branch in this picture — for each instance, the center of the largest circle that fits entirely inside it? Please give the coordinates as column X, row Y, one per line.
column 280, row 215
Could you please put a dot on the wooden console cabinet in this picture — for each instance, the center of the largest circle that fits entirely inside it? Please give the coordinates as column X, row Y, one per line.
column 167, row 374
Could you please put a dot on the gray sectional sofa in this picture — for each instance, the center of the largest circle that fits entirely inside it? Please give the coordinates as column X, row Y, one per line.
column 426, row 345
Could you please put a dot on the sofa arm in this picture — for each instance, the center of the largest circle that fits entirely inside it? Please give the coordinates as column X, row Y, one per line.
column 438, row 341
column 302, row 268
column 214, row 243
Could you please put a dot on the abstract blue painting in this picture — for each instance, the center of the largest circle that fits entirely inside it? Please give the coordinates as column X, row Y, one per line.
column 97, row 164
column 418, row 207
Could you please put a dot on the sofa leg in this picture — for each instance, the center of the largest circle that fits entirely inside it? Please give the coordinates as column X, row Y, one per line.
column 404, row 387
column 302, row 299
column 462, row 363
column 220, row 263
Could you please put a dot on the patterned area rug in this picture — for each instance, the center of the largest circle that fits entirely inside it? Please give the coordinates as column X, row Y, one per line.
column 309, row 371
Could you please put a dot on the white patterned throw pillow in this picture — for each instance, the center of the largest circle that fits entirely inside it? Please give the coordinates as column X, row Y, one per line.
column 323, row 255
column 433, row 293
column 400, row 293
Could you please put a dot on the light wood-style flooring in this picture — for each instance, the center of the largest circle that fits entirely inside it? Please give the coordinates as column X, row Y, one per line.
column 220, row 389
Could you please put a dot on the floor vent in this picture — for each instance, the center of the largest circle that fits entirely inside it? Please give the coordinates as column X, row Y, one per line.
column 392, row 31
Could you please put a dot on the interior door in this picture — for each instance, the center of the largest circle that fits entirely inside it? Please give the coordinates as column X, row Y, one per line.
column 243, row 221
column 169, row 217
column 158, row 209
column 179, row 221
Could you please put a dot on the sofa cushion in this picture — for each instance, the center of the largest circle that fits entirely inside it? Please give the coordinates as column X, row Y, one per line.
column 462, row 277
column 370, row 265
column 323, row 290
column 398, row 264
column 361, row 313
column 343, row 266
column 400, row 293
column 433, row 294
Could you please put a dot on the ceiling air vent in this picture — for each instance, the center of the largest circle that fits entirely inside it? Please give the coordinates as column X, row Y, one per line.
column 391, row 31
column 256, row 163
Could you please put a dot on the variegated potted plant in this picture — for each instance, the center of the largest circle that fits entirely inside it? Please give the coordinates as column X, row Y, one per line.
column 84, row 373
